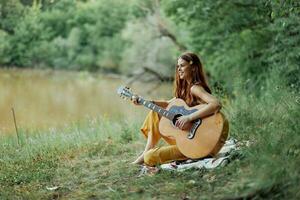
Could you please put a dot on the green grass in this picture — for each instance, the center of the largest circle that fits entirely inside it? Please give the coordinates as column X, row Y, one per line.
column 91, row 160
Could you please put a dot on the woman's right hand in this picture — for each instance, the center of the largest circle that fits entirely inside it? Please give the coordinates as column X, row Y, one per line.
column 134, row 100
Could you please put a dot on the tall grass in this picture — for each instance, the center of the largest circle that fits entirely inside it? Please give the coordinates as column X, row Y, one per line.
column 39, row 154
column 270, row 121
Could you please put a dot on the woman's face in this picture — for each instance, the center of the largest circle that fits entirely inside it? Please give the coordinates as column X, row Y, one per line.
column 184, row 69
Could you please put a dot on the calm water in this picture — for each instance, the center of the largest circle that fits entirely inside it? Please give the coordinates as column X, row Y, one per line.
column 47, row 99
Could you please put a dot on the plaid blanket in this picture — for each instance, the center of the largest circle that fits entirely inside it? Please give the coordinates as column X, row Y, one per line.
column 221, row 159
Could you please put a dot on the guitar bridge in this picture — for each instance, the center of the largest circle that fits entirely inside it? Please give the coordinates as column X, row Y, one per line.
column 195, row 125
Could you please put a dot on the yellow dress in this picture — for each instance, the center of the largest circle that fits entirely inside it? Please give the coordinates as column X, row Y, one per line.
column 159, row 155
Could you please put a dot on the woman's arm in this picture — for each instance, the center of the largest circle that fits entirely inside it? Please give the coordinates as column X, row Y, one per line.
column 212, row 103
column 162, row 103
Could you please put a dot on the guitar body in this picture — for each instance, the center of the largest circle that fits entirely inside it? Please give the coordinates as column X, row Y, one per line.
column 208, row 137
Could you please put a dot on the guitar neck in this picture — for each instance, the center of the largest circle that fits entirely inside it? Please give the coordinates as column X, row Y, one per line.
column 163, row 112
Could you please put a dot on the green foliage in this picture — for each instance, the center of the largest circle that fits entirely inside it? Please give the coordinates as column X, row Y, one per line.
column 10, row 13
column 284, row 51
column 4, row 45
column 242, row 39
column 68, row 34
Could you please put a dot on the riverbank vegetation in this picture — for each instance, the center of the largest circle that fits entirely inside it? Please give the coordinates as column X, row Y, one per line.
column 250, row 50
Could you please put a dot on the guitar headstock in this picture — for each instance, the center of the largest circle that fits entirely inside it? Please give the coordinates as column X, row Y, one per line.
column 125, row 92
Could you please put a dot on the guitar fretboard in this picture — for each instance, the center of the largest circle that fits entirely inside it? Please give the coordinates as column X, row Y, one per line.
column 156, row 108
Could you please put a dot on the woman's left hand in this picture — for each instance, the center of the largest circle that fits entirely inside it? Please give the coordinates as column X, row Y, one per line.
column 182, row 121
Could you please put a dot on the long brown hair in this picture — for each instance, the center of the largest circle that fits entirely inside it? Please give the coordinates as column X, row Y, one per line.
column 182, row 87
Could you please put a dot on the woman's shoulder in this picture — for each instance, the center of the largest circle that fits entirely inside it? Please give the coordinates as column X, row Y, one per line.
column 196, row 88
column 200, row 93
column 197, row 91
column 169, row 101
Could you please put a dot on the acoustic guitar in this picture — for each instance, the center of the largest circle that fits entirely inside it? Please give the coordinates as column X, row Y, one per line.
column 200, row 138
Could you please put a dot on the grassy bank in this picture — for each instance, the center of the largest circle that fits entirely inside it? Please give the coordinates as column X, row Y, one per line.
column 27, row 169
column 91, row 160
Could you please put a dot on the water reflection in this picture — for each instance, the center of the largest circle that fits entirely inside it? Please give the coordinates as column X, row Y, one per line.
column 44, row 99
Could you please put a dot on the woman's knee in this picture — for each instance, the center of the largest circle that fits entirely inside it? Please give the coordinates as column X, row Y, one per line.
column 151, row 158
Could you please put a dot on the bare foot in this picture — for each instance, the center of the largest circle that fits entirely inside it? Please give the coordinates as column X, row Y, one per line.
column 152, row 170
column 147, row 170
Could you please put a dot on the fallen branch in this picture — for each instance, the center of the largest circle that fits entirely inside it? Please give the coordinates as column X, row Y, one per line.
column 137, row 75
column 158, row 75
column 163, row 29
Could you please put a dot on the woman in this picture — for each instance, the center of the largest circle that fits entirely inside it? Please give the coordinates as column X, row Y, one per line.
column 192, row 87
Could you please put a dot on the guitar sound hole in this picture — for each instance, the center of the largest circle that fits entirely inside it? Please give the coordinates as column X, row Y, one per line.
column 175, row 118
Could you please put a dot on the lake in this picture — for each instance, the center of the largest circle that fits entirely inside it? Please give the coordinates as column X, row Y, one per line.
column 44, row 99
